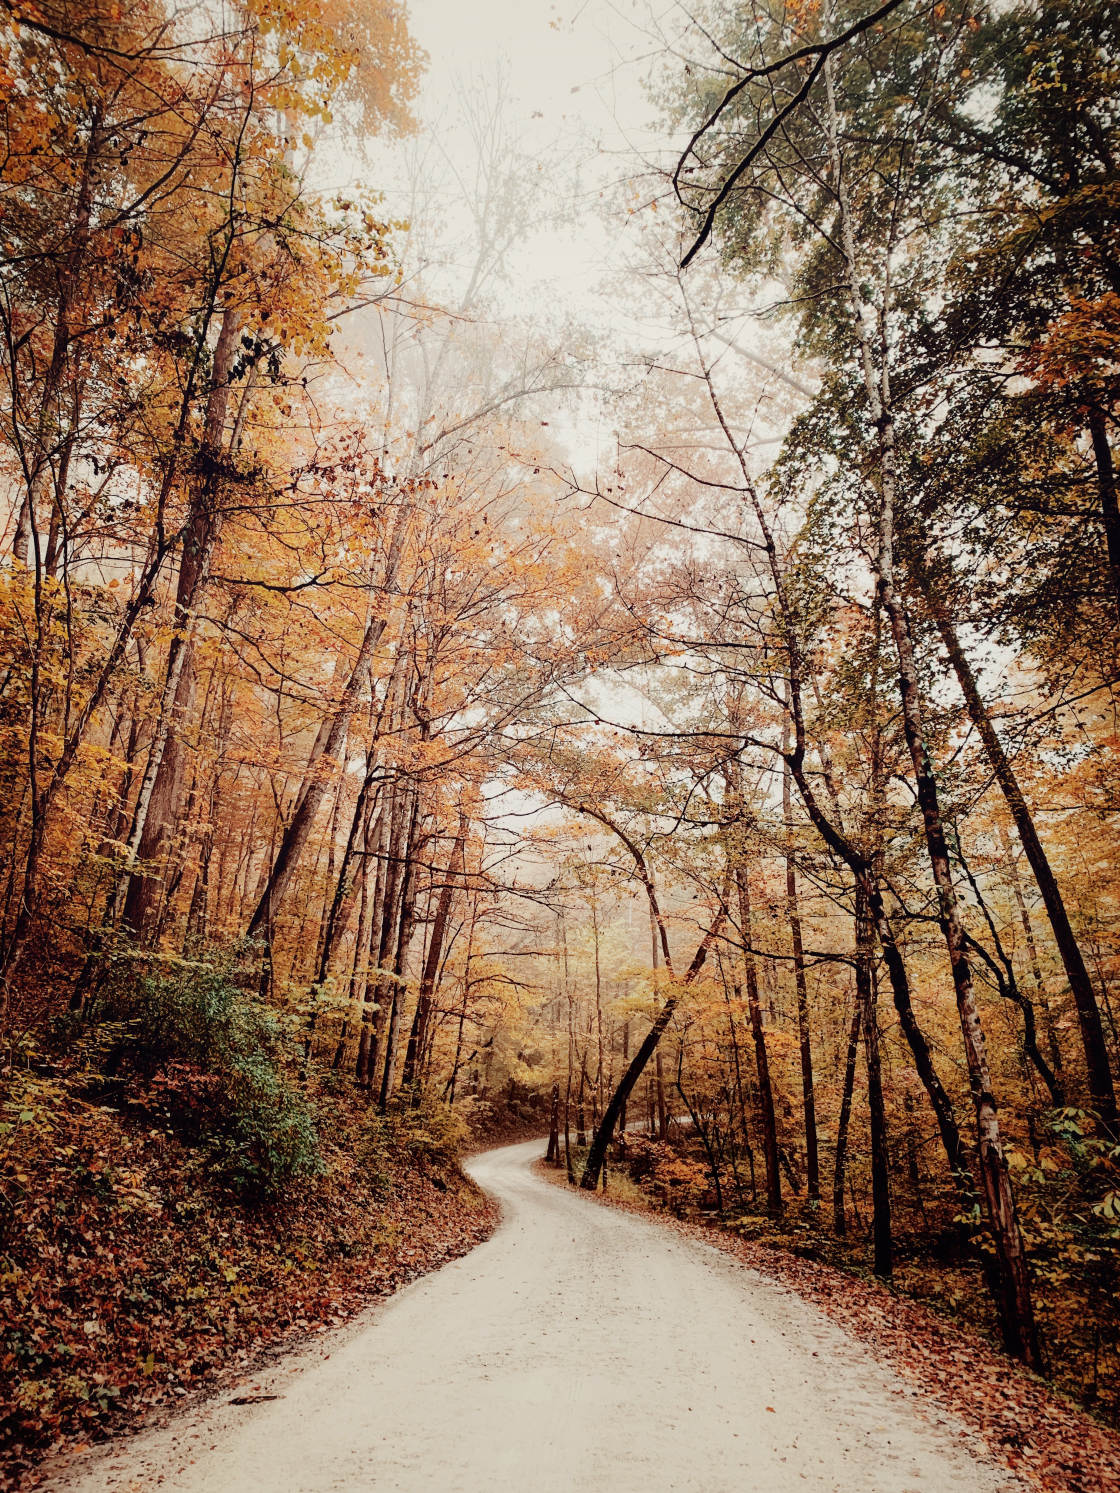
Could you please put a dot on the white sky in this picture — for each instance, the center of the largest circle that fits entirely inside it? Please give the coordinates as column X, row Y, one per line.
column 568, row 63
column 555, row 48
column 576, row 71
column 572, row 75
column 575, row 93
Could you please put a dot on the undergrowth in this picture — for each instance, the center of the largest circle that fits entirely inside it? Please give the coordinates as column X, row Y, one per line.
column 203, row 1058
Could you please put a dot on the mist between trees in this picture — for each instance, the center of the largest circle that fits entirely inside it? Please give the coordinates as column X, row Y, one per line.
column 762, row 777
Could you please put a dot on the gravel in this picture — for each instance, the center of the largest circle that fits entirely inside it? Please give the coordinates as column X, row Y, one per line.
column 580, row 1348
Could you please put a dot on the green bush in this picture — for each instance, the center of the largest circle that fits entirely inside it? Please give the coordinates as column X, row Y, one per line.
column 430, row 1135
column 433, row 1131
column 209, row 1060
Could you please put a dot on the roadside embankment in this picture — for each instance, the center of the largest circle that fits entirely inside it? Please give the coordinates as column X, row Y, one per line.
column 132, row 1276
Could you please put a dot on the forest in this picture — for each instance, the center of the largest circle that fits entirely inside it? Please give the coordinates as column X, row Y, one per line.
column 427, row 716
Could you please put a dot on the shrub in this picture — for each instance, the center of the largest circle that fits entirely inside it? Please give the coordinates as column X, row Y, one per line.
column 208, row 1059
column 428, row 1135
column 640, row 1154
column 433, row 1132
column 675, row 1180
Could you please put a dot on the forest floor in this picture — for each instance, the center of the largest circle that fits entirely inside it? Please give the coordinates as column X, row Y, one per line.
column 1027, row 1426
column 579, row 1347
column 131, row 1281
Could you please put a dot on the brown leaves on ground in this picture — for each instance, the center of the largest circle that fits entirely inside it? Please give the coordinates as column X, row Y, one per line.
column 127, row 1280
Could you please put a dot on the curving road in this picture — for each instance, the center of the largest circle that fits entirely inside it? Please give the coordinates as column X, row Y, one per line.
column 581, row 1348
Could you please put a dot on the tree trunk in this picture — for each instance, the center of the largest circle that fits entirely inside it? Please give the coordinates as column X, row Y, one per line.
column 434, row 955
column 812, row 1161
column 1052, row 1043
column 1013, row 1291
column 617, row 1104
column 1106, row 487
column 1101, row 1088
column 658, row 1068
column 362, row 987
column 552, row 1155
column 342, row 902
column 880, row 1164
column 406, row 921
column 450, row 1091
column 740, row 1096
column 625, row 1060
column 762, row 1063
column 1003, row 971
column 157, row 807
column 333, row 742
column 37, row 463
column 648, row 1047
column 956, row 1154
column 839, row 1218
column 161, row 546
column 1013, row 1284
column 659, row 1097
column 385, row 926
column 569, row 1167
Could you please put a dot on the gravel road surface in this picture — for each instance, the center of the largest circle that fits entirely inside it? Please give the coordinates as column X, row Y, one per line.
column 580, row 1350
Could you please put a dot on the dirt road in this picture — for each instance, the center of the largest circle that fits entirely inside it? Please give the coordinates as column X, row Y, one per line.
column 580, row 1350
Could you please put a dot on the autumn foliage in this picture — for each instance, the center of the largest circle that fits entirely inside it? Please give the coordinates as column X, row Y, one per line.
column 370, row 771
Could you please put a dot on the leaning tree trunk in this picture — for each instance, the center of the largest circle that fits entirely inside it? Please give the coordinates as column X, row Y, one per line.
column 617, row 1102
column 1093, row 1042
column 601, row 1139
